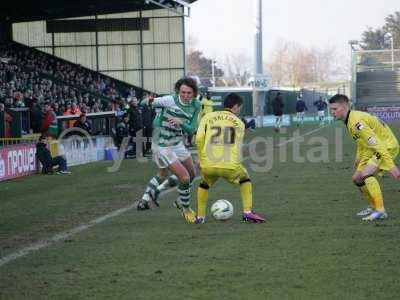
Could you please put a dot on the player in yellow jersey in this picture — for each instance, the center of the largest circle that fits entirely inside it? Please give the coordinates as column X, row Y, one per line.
column 206, row 105
column 219, row 139
column 377, row 147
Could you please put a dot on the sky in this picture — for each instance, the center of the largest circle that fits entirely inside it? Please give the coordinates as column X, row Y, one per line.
column 224, row 27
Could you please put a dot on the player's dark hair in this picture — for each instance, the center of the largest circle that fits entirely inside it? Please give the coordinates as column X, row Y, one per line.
column 188, row 81
column 339, row 98
column 232, row 99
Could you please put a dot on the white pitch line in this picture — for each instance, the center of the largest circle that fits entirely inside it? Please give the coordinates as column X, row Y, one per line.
column 66, row 234
column 63, row 235
column 295, row 138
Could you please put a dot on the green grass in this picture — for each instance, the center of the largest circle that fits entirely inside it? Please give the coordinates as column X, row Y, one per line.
column 312, row 247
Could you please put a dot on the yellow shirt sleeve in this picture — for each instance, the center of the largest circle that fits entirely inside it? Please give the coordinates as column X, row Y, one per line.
column 368, row 138
column 201, row 134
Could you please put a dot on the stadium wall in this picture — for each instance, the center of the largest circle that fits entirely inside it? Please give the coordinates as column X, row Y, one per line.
column 152, row 59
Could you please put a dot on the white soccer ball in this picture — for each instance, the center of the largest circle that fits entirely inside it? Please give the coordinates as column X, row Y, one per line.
column 222, row 210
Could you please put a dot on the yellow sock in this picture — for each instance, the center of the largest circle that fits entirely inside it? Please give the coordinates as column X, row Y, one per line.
column 247, row 196
column 375, row 191
column 365, row 192
column 202, row 198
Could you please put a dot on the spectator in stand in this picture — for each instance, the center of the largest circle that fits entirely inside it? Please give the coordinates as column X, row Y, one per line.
column 18, row 99
column 36, row 116
column 44, row 156
column 67, row 109
column 95, row 108
column 73, row 110
column 8, row 120
column 56, row 109
column 49, row 121
column 83, row 123
column 122, row 130
column 135, row 121
column 148, row 115
column 28, row 98
column 119, row 112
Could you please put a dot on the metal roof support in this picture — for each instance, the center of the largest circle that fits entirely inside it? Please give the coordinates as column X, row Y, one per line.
column 172, row 6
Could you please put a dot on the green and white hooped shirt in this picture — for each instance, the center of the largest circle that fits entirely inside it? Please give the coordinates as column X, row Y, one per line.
column 166, row 134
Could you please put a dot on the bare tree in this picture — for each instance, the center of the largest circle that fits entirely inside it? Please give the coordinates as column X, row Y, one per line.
column 392, row 25
column 277, row 66
column 295, row 65
column 238, row 69
column 199, row 65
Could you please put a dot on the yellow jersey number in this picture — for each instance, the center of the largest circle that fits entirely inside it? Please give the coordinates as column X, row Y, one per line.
column 227, row 133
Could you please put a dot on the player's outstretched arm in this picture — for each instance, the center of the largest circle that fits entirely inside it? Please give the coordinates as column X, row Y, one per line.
column 191, row 127
column 165, row 101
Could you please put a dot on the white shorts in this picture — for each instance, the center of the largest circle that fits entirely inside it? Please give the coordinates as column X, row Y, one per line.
column 300, row 114
column 321, row 113
column 165, row 156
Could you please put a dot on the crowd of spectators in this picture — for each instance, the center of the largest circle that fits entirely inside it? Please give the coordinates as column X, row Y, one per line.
column 50, row 87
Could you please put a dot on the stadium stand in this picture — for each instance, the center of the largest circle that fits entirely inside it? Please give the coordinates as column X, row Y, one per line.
column 29, row 78
column 23, row 68
column 377, row 78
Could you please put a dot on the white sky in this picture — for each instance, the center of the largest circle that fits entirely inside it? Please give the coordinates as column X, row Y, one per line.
column 224, row 27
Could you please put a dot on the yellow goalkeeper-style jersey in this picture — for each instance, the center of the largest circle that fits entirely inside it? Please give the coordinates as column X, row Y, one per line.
column 219, row 139
column 372, row 135
column 206, row 107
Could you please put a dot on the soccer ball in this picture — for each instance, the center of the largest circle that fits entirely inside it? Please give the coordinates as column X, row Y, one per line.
column 222, row 210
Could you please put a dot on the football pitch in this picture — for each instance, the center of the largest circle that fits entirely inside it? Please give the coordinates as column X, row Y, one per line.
column 312, row 246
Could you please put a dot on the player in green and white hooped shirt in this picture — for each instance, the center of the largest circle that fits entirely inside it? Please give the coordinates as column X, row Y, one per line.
column 176, row 114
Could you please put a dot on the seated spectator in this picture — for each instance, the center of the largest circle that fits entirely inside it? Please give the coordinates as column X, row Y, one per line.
column 44, row 156
column 83, row 123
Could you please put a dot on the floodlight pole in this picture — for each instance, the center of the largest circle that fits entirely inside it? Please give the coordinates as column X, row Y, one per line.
column 353, row 58
column 392, row 46
column 258, row 103
column 213, row 72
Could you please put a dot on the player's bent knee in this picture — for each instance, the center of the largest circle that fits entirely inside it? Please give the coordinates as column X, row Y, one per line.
column 357, row 178
column 367, row 176
column 244, row 180
column 163, row 173
column 184, row 178
column 359, row 183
